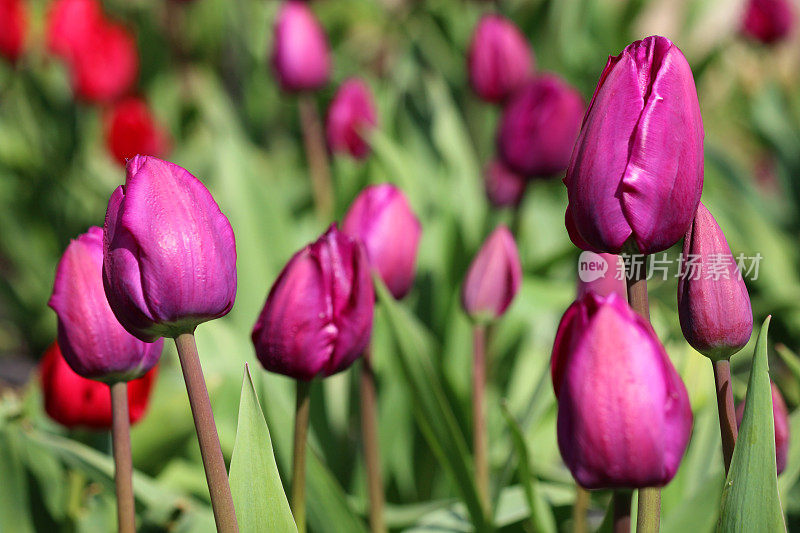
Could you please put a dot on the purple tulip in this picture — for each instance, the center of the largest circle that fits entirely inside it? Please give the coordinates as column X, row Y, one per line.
column 713, row 303
column 93, row 342
column 493, row 278
column 781, row 417
column 351, row 115
column 624, row 417
column 169, row 255
column 637, row 168
column 318, row 316
column 382, row 219
column 603, row 280
column 300, row 54
column 499, row 59
column 539, row 127
column 504, row 187
column 768, row 21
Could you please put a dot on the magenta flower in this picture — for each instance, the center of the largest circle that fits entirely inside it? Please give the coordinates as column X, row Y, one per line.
column 350, row 116
column 768, row 21
column 713, row 303
column 504, row 187
column 318, row 316
column 499, row 59
column 493, row 278
column 780, row 415
column 382, row 219
column 300, row 55
column 169, row 260
column 637, row 169
column 93, row 342
column 539, row 126
column 624, row 417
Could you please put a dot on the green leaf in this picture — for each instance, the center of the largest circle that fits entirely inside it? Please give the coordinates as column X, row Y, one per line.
column 258, row 496
column 14, row 505
column 750, row 500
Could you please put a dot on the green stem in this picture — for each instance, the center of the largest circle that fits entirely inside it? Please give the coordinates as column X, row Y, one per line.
column 123, row 464
column 369, row 429
column 479, row 433
column 317, row 157
column 299, row 458
column 579, row 510
column 727, row 412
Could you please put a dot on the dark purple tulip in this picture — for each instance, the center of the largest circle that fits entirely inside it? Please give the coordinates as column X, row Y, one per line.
column 169, row 259
column 768, row 21
column 499, row 59
column 539, row 126
column 300, row 55
column 637, row 168
column 624, row 417
column 504, row 187
column 493, row 278
column 713, row 303
column 92, row 341
column 382, row 219
column 318, row 316
column 781, row 417
column 599, row 273
column 350, row 116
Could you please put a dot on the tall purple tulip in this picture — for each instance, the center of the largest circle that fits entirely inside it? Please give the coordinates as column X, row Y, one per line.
column 780, row 416
column 504, row 187
column 318, row 316
column 768, row 21
column 300, row 54
column 382, row 219
column 93, row 342
column 169, row 252
column 499, row 59
column 713, row 303
column 350, row 116
column 539, row 126
column 637, row 168
column 624, row 417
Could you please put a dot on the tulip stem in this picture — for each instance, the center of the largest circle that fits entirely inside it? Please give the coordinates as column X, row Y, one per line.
column 369, row 429
column 648, row 519
column 207, row 437
column 727, row 412
column 299, row 458
column 621, row 501
column 123, row 464
column 579, row 510
column 316, row 156
column 479, row 434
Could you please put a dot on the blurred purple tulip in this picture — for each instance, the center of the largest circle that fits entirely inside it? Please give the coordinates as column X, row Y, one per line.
column 92, row 341
column 169, row 259
column 539, row 126
column 382, row 219
column 350, row 116
column 780, row 415
column 603, row 282
column 493, row 278
column 300, row 54
column 637, row 168
column 318, row 316
column 713, row 303
column 504, row 187
column 768, row 21
column 624, row 418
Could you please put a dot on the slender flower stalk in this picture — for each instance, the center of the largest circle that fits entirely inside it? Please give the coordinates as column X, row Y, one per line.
column 369, row 429
column 479, row 430
column 579, row 509
column 302, row 410
column 316, row 155
column 123, row 464
column 727, row 412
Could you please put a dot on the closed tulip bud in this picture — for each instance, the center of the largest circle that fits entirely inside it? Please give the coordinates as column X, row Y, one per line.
column 169, row 252
column 382, row 219
column 300, row 55
column 504, row 187
column 599, row 273
column 69, row 24
column 499, row 59
column 768, row 21
column 713, row 303
column 318, row 316
column 93, row 342
column 13, row 28
column 539, row 127
column 637, row 168
column 624, row 417
column 350, row 116
column 74, row 401
column 493, row 278
column 105, row 63
column 131, row 130
column 780, row 416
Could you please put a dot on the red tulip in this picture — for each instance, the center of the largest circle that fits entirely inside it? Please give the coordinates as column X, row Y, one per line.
column 13, row 28
column 105, row 64
column 768, row 21
column 132, row 130
column 69, row 24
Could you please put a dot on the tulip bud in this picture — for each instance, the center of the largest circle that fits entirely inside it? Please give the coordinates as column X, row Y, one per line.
column 93, row 342
column 539, row 126
column 169, row 252
column 131, row 130
column 624, row 417
column 493, row 278
column 504, row 187
column 499, row 59
column 781, row 417
column 381, row 218
column 768, row 21
column 599, row 273
column 318, row 316
column 69, row 23
column 351, row 115
column 105, row 63
column 13, row 28
column 74, row 401
column 637, row 168
column 300, row 56
column 713, row 303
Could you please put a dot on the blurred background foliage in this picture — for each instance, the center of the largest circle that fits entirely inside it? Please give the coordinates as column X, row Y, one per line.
column 205, row 72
